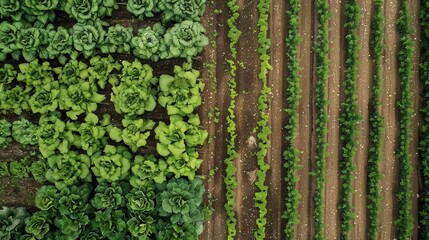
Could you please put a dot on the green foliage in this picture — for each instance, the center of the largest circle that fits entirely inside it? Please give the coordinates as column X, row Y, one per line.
column 24, row 132
column 11, row 220
column 134, row 134
column 5, row 133
column 46, row 197
column 85, row 10
column 181, row 94
column 50, row 134
column 405, row 105
column 141, row 8
column 19, row 168
column 376, row 123
column 261, row 193
column 4, row 169
column 146, row 169
column 68, row 168
column 101, row 68
column 87, row 36
column 7, row 74
column 141, row 200
column 9, row 33
column 424, row 122
column 179, row 10
column 113, row 164
column 108, row 196
column 118, row 39
column 38, row 224
column 350, row 116
column 141, row 226
column 38, row 169
column 60, row 44
column 185, row 39
column 149, row 43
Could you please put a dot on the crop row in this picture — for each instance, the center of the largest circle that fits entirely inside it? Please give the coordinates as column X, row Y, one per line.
column 350, row 115
column 290, row 154
column 263, row 140
column 230, row 178
column 376, row 123
column 405, row 105
column 39, row 13
column 185, row 40
column 22, row 168
column 322, row 71
column 424, row 129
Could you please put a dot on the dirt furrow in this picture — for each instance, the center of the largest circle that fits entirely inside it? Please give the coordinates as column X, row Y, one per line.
column 389, row 165
column 364, row 84
column 336, row 56
column 304, row 229
column 276, row 194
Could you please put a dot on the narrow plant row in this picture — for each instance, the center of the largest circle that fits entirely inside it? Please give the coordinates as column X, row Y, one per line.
column 290, row 154
column 405, row 105
column 322, row 71
column 424, row 129
column 349, row 116
column 261, row 194
column 32, row 165
column 376, row 123
column 230, row 178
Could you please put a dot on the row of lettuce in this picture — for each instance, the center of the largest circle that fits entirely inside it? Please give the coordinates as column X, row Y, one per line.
column 376, row 123
column 185, row 39
column 39, row 13
column 290, row 153
column 424, row 124
column 261, row 193
column 230, row 178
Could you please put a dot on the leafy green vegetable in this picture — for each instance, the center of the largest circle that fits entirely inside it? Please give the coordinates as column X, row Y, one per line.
column 141, row 200
column 15, row 99
column 185, row 39
column 38, row 224
column 111, row 223
column 11, row 220
column 87, row 36
column 134, row 134
column 108, row 196
column 149, row 43
column 46, row 197
column 73, row 72
column 117, row 40
column 60, row 44
column 7, row 74
column 45, row 99
column 133, row 99
column 181, row 94
column 141, row 8
column 184, row 165
column 111, row 165
column 35, row 74
column 18, row 169
column 146, row 169
column 141, row 226
column 11, row 8
column 84, row 10
column 5, row 133
column 40, row 12
column 179, row 10
column 38, row 169
column 29, row 42
column 67, row 169
column 9, row 34
column 4, row 169
column 24, row 132
column 101, row 68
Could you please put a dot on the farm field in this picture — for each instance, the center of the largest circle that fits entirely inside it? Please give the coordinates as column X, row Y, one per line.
column 288, row 140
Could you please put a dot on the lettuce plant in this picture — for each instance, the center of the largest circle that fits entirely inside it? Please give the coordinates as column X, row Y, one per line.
column 11, row 220
column 84, row 10
column 24, row 132
column 7, row 74
column 149, row 43
column 60, row 44
column 86, row 37
column 4, row 169
column 15, row 99
column 141, row 200
column 38, row 224
column 40, row 12
column 117, row 40
column 38, row 169
column 101, row 68
column 111, row 165
column 70, row 226
column 111, row 223
column 46, row 197
column 135, row 132
column 108, row 196
column 178, row 135
column 11, row 8
column 141, row 226
column 137, row 73
column 18, row 169
column 5, row 133
column 133, row 100
column 45, row 98
column 184, row 165
column 29, row 43
column 179, row 10
column 146, row 169
column 185, row 39
column 141, row 8
column 79, row 98
column 67, row 169
column 73, row 72
column 181, row 94
column 35, row 74
column 9, row 33
column 50, row 134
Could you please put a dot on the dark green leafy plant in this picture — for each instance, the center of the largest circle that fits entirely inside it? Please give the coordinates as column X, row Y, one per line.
column 111, row 165
column 108, row 196
column 4, row 169
column 38, row 169
column 11, row 220
column 38, row 224
column 141, row 8
column 73, row 72
column 100, row 70
column 60, row 44
column 118, row 39
column 146, row 169
column 149, row 43
column 134, row 134
column 50, row 134
column 9, row 33
column 46, row 197
column 85, row 10
column 40, row 12
column 111, row 223
column 15, row 99
column 7, row 74
column 181, row 94
column 18, row 168
column 141, row 226
column 179, row 10
column 11, row 8
column 87, row 36
column 29, row 42
column 141, row 200
column 5, row 133
column 24, row 132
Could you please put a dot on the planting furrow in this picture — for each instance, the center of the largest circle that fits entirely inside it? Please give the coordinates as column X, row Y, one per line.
column 263, row 140
column 376, row 123
column 321, row 102
column 349, row 116
column 290, row 154
column 404, row 220
column 230, row 178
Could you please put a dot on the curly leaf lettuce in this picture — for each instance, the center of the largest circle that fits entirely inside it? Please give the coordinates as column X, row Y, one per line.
column 111, row 165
